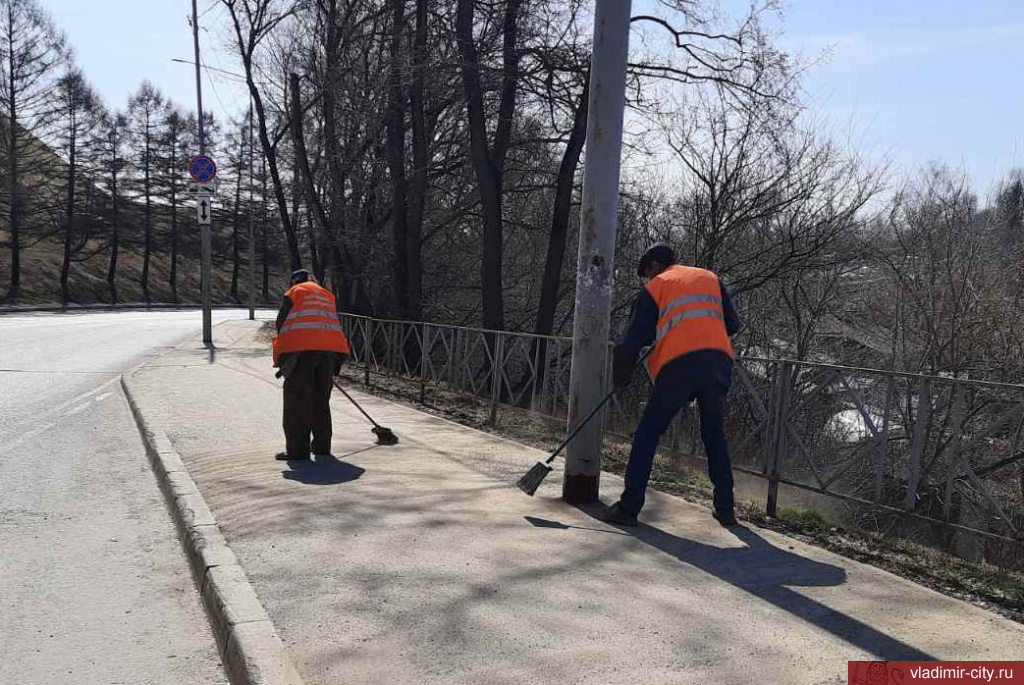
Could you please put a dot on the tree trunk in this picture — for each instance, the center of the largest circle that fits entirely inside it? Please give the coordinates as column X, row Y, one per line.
column 489, row 163
column 112, row 271
column 314, row 205
column 234, row 237
column 148, row 243
column 69, row 212
column 421, row 160
column 314, row 251
column 174, row 226
column 396, row 163
column 13, row 180
column 270, row 159
column 266, row 237
column 551, row 282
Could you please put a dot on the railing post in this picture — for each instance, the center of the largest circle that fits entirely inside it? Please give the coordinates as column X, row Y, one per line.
column 883, row 439
column 958, row 425
column 367, row 349
column 499, row 350
column 779, row 438
column 924, row 405
column 423, row 363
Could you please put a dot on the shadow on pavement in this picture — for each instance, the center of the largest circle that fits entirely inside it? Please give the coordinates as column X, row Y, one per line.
column 770, row 573
column 325, row 470
column 546, row 523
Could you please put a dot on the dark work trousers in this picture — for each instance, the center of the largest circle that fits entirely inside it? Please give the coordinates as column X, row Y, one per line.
column 704, row 375
column 307, row 404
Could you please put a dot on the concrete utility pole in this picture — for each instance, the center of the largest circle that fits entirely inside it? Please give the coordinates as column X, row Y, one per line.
column 252, row 245
column 204, row 230
column 594, row 282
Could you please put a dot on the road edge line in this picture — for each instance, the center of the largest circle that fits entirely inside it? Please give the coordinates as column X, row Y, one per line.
column 250, row 649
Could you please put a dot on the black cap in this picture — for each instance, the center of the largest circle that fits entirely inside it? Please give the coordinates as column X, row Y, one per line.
column 300, row 275
column 659, row 252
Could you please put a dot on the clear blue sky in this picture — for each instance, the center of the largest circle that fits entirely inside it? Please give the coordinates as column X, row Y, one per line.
column 914, row 80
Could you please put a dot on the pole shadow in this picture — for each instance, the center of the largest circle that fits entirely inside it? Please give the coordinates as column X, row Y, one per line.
column 770, row 573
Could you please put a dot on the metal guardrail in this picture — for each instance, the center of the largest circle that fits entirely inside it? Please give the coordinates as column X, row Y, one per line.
column 896, row 447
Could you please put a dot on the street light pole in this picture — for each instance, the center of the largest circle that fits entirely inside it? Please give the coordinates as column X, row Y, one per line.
column 594, row 280
column 204, row 230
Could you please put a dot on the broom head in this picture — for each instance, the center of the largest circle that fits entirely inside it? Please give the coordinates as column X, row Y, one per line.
column 532, row 479
column 385, row 436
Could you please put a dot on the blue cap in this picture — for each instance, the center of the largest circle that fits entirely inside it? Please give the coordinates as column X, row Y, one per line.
column 659, row 252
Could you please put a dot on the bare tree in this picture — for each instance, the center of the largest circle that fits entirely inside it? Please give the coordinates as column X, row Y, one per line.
column 32, row 51
column 79, row 114
column 146, row 110
column 253, row 21
column 170, row 158
column 114, row 161
column 488, row 157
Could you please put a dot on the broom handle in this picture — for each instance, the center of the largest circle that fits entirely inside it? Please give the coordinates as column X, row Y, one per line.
column 589, row 416
column 338, row 386
column 580, row 427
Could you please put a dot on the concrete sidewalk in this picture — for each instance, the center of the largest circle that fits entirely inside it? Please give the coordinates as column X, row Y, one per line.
column 421, row 563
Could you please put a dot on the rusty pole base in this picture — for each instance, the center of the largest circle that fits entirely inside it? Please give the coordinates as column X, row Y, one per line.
column 580, row 489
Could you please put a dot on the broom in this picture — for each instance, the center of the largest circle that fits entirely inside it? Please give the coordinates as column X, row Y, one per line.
column 532, row 479
column 385, row 436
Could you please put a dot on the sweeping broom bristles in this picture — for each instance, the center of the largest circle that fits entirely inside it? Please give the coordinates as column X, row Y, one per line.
column 532, row 479
column 385, row 436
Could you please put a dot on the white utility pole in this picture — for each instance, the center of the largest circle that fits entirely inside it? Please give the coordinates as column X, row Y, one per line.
column 594, row 279
column 204, row 229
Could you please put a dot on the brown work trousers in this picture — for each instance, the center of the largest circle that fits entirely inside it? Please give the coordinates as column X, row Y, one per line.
column 307, row 404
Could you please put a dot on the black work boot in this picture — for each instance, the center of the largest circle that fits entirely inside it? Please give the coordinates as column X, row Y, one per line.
column 284, row 456
column 726, row 518
column 618, row 516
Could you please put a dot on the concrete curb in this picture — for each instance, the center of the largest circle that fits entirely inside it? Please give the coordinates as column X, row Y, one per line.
column 250, row 649
column 127, row 306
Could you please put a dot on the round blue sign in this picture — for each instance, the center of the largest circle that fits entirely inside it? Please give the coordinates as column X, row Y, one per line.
column 202, row 169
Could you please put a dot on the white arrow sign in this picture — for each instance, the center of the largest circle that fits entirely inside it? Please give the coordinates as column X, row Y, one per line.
column 204, row 209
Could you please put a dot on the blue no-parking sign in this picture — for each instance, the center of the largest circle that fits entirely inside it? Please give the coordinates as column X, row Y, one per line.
column 202, row 169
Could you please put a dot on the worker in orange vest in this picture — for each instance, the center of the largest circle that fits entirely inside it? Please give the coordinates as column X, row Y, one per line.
column 309, row 349
column 686, row 314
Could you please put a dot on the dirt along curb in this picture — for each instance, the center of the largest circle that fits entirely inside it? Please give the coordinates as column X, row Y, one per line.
column 250, row 649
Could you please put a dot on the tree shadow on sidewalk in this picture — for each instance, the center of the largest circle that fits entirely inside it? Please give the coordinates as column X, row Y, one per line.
column 326, row 470
column 770, row 573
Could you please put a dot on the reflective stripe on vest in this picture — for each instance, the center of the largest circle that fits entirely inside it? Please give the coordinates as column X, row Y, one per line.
column 689, row 299
column 690, row 315
column 308, row 325
column 312, row 312
column 312, row 324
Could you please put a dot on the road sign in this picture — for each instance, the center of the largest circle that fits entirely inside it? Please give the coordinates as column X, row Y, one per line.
column 204, row 209
column 204, row 188
column 202, row 169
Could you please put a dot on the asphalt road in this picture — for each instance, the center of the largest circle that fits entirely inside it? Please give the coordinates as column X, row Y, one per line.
column 94, row 587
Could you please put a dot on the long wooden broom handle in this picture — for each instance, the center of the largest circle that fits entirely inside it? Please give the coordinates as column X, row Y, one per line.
column 338, row 386
column 589, row 416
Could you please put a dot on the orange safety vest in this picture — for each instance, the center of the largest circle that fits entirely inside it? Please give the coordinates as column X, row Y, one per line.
column 312, row 323
column 690, row 315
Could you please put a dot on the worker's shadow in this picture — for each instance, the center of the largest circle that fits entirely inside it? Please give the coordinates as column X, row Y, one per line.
column 325, row 470
column 770, row 573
